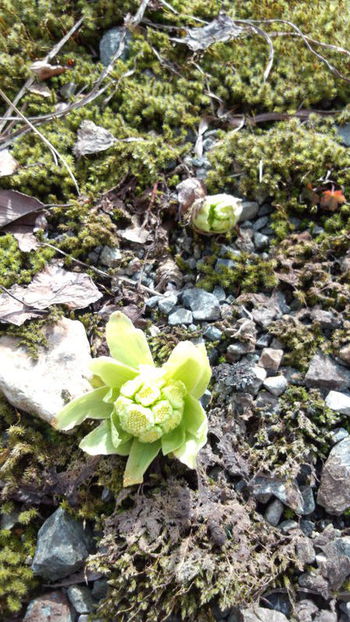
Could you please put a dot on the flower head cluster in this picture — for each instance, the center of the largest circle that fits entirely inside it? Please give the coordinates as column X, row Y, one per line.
column 217, row 213
column 143, row 408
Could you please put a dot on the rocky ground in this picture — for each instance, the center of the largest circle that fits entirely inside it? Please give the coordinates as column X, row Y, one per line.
column 138, row 104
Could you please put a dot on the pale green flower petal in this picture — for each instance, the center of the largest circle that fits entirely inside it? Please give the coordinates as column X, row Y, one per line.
column 194, row 419
column 140, row 457
column 89, row 405
column 188, row 452
column 112, row 372
column 127, row 344
column 119, row 436
column 189, row 363
column 99, row 441
column 173, row 440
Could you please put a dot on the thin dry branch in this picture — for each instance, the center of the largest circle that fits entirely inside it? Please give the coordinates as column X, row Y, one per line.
column 53, row 149
column 30, row 80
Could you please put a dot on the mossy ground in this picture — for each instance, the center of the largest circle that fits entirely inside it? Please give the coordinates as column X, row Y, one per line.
column 158, row 96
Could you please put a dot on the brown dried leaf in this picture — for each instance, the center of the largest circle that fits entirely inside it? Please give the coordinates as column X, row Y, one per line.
column 14, row 205
column 8, row 164
column 168, row 272
column 39, row 89
column 188, row 191
column 51, row 286
column 44, row 70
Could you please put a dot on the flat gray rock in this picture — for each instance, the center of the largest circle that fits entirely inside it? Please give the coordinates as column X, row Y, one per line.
column 334, row 490
column 110, row 42
column 62, row 547
column 81, row 598
column 340, row 402
column 287, row 492
column 325, row 373
column 249, row 211
column 42, row 387
column 180, row 316
column 204, row 306
column 50, row 607
column 262, row 614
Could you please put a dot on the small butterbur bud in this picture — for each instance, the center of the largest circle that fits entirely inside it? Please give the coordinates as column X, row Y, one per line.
column 217, row 213
column 143, row 409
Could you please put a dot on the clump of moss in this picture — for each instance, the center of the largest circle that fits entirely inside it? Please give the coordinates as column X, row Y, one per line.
column 17, row 545
column 32, row 333
column 289, row 155
column 301, row 341
column 250, row 273
column 299, row 432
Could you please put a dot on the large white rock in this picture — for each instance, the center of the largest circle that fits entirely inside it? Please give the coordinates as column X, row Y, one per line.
column 42, row 387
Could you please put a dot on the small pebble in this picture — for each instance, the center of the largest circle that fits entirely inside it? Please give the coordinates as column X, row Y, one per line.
column 180, row 316
column 276, row 384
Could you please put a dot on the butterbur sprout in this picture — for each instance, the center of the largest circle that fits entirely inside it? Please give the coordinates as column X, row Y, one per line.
column 142, row 408
column 217, row 213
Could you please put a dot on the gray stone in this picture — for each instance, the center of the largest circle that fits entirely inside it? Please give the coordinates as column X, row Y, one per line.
column 288, row 525
column 260, row 223
column 249, row 211
column 236, row 350
column 180, row 316
column 110, row 42
column 110, row 256
column 167, row 303
column 264, row 316
column 7, row 521
column 287, row 492
column 338, row 435
column 51, row 606
column 62, row 547
column 262, row 614
column 344, row 133
column 308, row 498
column 261, row 240
column 247, row 378
column 334, row 490
column 219, row 292
column 325, row 373
column 276, row 384
column 307, row 527
column 271, row 358
column 212, row 333
column 81, row 599
column 340, row 402
column 305, row 551
column 41, row 387
column 152, row 302
column 204, row 306
column 274, row 512
column 100, row 589
column 264, row 341
column 327, row 319
column 205, row 399
column 265, row 210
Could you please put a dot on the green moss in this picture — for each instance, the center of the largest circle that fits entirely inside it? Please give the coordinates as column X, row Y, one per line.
column 19, row 267
column 250, row 273
column 298, row 433
column 289, row 155
column 301, row 341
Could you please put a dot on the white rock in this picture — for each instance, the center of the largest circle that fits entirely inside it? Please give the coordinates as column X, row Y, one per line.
column 276, row 384
column 41, row 387
column 338, row 401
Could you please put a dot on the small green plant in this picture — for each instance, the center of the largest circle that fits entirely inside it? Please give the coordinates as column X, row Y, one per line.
column 144, row 409
column 218, row 213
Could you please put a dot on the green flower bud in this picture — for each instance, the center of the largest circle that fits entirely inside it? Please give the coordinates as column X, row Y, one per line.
column 218, row 213
column 148, row 407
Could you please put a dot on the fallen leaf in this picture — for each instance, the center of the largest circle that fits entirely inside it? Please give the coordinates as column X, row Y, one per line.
column 23, row 228
column 188, row 191
column 8, row 164
column 331, row 199
column 223, row 28
column 44, row 70
column 135, row 233
column 92, row 138
column 14, row 205
column 52, row 286
column 39, row 89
